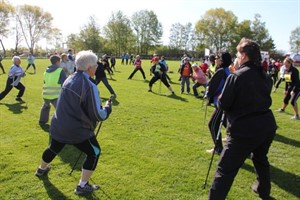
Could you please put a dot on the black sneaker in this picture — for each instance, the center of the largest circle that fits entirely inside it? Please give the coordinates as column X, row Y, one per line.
column 40, row 172
column 86, row 189
column 19, row 99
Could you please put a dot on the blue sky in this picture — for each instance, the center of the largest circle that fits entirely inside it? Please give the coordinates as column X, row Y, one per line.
column 280, row 16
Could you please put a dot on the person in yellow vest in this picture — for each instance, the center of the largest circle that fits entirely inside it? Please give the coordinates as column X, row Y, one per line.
column 54, row 77
column 212, row 67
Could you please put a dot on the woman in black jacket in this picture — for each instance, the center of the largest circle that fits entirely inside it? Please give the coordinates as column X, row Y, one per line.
column 251, row 126
column 214, row 90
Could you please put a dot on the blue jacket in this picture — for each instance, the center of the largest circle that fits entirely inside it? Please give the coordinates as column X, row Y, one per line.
column 216, row 85
column 78, row 110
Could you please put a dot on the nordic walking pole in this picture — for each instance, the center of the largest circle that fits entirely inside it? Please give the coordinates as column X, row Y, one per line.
column 81, row 151
column 26, row 106
column 205, row 113
column 160, row 86
column 212, row 157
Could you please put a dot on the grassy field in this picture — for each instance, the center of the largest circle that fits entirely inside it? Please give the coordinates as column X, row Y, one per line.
column 153, row 145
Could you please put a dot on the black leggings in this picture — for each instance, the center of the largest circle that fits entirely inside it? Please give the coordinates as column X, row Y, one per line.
column 90, row 147
column 293, row 99
column 8, row 88
column 162, row 77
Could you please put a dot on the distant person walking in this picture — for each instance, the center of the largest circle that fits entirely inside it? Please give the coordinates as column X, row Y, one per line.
column 113, row 62
column 138, row 67
column 30, row 60
column 185, row 74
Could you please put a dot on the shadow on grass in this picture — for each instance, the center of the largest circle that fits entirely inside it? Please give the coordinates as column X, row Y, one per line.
column 285, row 140
column 52, row 191
column 287, row 181
column 70, row 154
column 174, row 83
column 172, row 96
column 15, row 108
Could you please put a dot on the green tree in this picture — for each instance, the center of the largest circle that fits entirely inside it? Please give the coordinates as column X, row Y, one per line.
column 295, row 40
column 216, row 29
column 35, row 24
column 90, row 36
column 148, row 30
column 119, row 34
column 242, row 29
column 261, row 35
column 6, row 11
column 74, row 42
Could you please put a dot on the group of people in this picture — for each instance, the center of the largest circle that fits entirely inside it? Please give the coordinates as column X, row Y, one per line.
column 241, row 97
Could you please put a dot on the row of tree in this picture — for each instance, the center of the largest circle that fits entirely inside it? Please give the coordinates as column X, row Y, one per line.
column 217, row 30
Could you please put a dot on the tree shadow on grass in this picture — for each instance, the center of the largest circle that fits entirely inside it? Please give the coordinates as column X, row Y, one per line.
column 287, row 181
column 285, row 140
column 15, row 108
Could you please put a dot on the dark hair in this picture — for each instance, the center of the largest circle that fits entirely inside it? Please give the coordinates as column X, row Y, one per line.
column 54, row 59
column 226, row 59
column 251, row 49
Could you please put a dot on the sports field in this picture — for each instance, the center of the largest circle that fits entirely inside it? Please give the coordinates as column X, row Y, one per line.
column 153, row 145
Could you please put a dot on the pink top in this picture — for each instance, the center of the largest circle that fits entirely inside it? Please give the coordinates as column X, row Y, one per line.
column 199, row 76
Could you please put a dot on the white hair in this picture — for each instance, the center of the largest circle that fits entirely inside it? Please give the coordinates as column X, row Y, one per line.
column 85, row 59
column 15, row 58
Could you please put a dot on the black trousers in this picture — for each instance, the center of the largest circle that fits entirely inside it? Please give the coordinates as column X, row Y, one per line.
column 234, row 154
column 33, row 65
column 162, row 77
column 8, row 88
column 90, row 147
column 135, row 70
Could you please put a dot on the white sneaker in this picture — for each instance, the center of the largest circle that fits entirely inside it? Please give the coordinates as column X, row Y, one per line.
column 296, row 117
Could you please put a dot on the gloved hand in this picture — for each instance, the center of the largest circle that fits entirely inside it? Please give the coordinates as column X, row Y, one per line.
column 108, row 108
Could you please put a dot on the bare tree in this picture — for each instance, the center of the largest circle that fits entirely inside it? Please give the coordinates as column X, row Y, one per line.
column 35, row 24
column 6, row 11
column 18, row 36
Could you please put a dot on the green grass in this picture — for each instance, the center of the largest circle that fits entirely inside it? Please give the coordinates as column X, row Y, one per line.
column 153, row 145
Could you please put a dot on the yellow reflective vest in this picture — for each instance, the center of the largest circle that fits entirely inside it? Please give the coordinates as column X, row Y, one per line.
column 51, row 87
